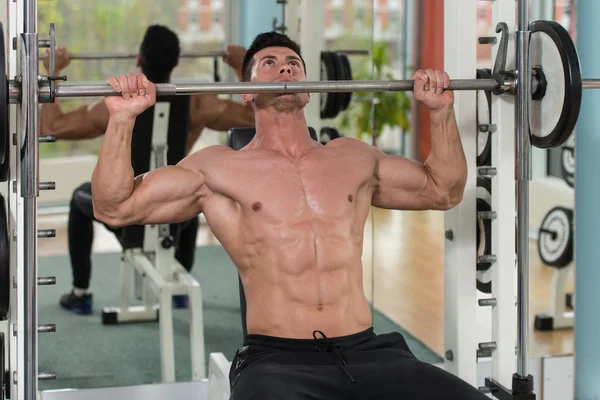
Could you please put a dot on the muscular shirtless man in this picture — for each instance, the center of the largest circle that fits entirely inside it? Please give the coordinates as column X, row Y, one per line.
column 294, row 233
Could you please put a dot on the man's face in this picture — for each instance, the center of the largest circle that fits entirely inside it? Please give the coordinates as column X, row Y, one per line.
column 278, row 64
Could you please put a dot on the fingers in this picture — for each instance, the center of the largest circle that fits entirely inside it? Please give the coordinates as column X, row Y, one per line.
column 420, row 78
column 114, row 82
column 439, row 81
column 430, row 80
column 432, row 83
column 228, row 52
column 142, row 84
column 124, row 85
column 131, row 85
column 132, row 82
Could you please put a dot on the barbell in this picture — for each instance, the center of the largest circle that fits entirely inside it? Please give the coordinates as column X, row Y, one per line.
column 197, row 54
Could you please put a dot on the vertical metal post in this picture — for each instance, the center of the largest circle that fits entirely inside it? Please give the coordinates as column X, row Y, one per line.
column 291, row 20
column 460, row 300
column 312, row 43
column 30, row 192
column 523, row 176
column 504, row 271
column 232, row 31
column 15, row 25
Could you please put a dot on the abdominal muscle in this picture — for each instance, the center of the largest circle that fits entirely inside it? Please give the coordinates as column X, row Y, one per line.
column 308, row 279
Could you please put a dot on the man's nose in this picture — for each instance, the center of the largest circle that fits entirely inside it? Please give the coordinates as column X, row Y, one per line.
column 286, row 69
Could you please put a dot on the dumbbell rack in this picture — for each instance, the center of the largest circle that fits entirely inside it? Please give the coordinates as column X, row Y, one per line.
column 23, row 186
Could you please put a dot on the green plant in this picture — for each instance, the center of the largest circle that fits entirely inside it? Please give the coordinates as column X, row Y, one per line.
column 379, row 110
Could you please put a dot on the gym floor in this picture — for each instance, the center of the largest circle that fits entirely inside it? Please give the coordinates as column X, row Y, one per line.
column 407, row 280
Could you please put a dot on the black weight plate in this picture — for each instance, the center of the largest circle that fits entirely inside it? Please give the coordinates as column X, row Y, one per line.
column 2, row 366
column 328, row 100
column 552, row 119
column 346, row 76
column 4, row 97
column 484, row 226
column 567, row 164
column 328, row 134
column 555, row 238
column 484, row 234
column 340, row 75
column 484, row 281
column 4, row 167
column 4, row 262
column 484, row 117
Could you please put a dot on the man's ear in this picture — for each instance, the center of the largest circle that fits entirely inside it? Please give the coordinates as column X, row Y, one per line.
column 137, row 61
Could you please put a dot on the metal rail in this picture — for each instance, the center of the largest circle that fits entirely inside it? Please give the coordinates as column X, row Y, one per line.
column 170, row 89
column 523, row 176
column 192, row 54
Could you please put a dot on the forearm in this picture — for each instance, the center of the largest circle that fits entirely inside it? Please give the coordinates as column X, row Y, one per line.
column 84, row 122
column 238, row 73
column 48, row 113
column 235, row 115
column 446, row 163
column 113, row 177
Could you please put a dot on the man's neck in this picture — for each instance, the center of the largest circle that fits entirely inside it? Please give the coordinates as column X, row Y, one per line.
column 286, row 133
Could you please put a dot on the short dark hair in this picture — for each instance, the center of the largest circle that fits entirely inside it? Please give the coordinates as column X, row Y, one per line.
column 159, row 53
column 262, row 41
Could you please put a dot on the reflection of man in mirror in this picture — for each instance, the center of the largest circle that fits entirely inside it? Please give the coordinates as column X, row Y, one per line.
column 158, row 56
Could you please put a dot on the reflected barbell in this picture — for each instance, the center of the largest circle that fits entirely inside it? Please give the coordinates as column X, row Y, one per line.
column 197, row 54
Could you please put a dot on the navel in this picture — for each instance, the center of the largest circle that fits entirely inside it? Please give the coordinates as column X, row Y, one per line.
column 320, row 307
column 350, row 198
column 257, row 206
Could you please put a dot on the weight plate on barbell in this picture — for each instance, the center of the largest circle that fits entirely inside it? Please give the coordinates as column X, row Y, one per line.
column 553, row 117
column 555, row 238
column 484, row 117
column 4, row 261
column 2, row 366
column 328, row 73
column 340, row 75
column 484, row 234
column 346, row 76
column 328, row 134
column 4, row 97
column 568, row 161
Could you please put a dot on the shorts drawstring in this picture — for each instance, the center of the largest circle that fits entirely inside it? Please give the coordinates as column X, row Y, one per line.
column 335, row 350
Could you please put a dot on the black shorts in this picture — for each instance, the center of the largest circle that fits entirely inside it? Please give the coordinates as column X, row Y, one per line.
column 360, row 366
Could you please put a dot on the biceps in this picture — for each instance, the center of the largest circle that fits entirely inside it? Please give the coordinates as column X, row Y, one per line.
column 402, row 184
column 166, row 195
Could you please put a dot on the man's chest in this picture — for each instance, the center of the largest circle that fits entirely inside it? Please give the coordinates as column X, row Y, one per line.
column 318, row 185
